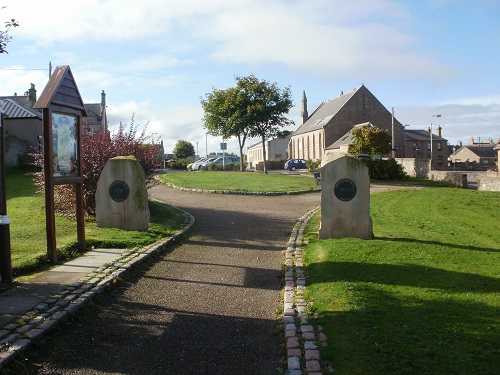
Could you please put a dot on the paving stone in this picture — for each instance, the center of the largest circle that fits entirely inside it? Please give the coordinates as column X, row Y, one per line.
column 35, row 334
column 289, row 312
column 23, row 329
column 48, row 325
column 291, row 327
column 307, row 328
column 286, row 320
column 312, row 354
column 20, row 345
column 293, row 352
column 294, row 372
column 308, row 336
column 9, row 339
column 293, row 363
column 322, row 337
column 7, row 357
column 290, row 334
column 313, row 366
column 288, row 305
column 310, row 345
column 292, row 342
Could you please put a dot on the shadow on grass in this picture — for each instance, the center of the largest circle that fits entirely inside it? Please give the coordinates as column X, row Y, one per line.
column 445, row 244
column 385, row 336
column 404, row 275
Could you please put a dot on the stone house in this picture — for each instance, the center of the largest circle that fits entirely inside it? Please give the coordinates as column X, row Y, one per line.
column 482, row 154
column 23, row 127
column 417, row 145
column 275, row 149
column 334, row 118
column 97, row 117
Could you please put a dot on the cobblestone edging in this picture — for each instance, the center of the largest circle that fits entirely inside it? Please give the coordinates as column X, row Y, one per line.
column 238, row 192
column 302, row 338
column 44, row 318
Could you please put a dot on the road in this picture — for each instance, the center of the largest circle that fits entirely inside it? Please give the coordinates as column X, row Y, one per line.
column 206, row 306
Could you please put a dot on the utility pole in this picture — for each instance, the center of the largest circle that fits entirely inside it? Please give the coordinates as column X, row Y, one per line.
column 393, row 153
column 5, row 249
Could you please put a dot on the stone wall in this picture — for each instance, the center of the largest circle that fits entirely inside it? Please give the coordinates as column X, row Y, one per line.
column 490, row 182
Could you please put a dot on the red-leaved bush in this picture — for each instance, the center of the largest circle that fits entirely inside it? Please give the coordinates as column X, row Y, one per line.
column 97, row 149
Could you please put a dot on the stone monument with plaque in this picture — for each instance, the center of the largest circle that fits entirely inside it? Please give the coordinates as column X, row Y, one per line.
column 345, row 199
column 121, row 197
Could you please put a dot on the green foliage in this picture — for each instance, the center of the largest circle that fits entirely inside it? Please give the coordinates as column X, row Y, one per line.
column 422, row 297
column 313, row 165
column 381, row 169
column 271, row 165
column 5, row 38
column 253, row 108
column 183, row 150
column 370, row 140
column 178, row 164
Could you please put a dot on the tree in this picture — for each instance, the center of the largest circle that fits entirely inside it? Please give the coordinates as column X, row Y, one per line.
column 253, row 108
column 225, row 115
column 269, row 104
column 183, row 150
column 370, row 140
column 4, row 34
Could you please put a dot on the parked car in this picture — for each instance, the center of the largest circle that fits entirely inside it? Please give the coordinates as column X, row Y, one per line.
column 200, row 163
column 221, row 161
column 193, row 165
column 293, row 164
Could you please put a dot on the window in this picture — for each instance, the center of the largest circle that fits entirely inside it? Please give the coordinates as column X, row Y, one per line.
column 440, row 160
column 428, row 145
column 440, row 146
column 414, row 145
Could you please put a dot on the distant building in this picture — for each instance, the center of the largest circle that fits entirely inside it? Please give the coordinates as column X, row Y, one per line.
column 97, row 118
column 275, row 149
column 418, row 145
column 335, row 118
column 483, row 154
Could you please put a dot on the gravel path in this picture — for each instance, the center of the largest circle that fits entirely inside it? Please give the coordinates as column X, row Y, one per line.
column 205, row 307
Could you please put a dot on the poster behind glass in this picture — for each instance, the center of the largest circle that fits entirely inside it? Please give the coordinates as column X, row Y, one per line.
column 64, row 144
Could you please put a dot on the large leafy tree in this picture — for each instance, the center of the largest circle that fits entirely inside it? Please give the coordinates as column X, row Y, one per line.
column 183, row 150
column 253, row 108
column 225, row 115
column 370, row 140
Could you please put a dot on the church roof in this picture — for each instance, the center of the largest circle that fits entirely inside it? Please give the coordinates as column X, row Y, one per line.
column 325, row 112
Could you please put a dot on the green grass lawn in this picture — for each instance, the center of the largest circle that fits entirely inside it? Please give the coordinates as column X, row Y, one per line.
column 423, row 296
column 240, row 181
column 26, row 211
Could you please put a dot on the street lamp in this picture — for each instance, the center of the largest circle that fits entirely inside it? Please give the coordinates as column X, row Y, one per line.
column 431, row 137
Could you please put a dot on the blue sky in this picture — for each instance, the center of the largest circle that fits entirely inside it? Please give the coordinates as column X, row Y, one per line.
column 157, row 58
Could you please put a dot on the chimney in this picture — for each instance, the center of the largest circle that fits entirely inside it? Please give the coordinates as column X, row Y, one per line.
column 471, row 141
column 439, row 131
column 429, row 129
column 32, row 95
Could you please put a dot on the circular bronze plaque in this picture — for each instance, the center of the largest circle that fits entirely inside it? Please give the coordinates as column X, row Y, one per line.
column 345, row 189
column 119, row 190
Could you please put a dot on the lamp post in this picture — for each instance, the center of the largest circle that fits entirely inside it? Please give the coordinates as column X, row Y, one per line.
column 5, row 252
column 431, row 137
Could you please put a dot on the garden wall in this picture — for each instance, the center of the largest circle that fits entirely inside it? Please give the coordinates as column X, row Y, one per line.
column 490, row 182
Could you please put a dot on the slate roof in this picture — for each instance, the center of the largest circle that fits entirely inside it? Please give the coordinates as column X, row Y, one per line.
column 422, row 135
column 324, row 113
column 13, row 109
column 348, row 137
column 483, row 151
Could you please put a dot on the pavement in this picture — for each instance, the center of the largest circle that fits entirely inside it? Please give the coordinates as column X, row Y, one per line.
column 32, row 309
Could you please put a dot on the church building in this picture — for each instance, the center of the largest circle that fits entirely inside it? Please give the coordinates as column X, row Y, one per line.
column 335, row 118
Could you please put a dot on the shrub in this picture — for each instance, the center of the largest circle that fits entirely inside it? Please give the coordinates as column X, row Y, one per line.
column 313, row 165
column 380, row 169
column 97, row 149
column 178, row 164
column 271, row 165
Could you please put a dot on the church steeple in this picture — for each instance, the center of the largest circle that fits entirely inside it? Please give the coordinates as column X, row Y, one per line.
column 304, row 113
